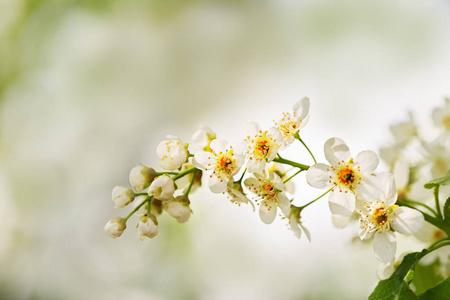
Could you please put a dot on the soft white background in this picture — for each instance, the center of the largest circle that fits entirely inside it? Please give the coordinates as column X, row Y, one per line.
column 98, row 90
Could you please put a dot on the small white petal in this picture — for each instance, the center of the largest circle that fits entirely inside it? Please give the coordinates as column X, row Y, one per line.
column 275, row 134
column 267, row 212
column 367, row 160
column 284, row 203
column 251, row 129
column 401, row 173
column 217, row 185
column 303, row 122
column 276, row 181
column 318, row 176
column 301, row 108
column 254, row 165
column 342, row 204
column 204, row 160
column 385, row 270
column 219, row 145
column 384, row 246
column 339, row 221
column 251, row 182
column 369, row 189
column 336, row 151
column 386, row 183
column 407, row 220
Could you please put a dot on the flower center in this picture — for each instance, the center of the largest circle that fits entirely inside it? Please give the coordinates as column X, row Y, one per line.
column 268, row 191
column 380, row 216
column 225, row 163
column 346, row 176
column 288, row 128
column 262, row 146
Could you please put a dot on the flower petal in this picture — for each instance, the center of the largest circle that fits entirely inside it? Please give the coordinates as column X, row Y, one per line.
column 276, row 181
column 386, row 183
column 284, row 203
column 339, row 221
column 367, row 160
column 217, row 185
column 267, row 212
column 203, row 160
column 301, row 108
column 368, row 190
column 384, row 246
column 406, row 220
column 255, row 165
column 341, row 204
column 219, row 145
column 401, row 173
column 251, row 129
column 318, row 176
column 336, row 151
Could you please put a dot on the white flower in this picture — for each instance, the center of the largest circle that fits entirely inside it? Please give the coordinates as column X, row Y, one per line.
column 380, row 217
column 122, row 196
column 260, row 146
column 439, row 156
column 147, row 227
column 141, row 177
column 162, row 188
column 281, row 171
column 404, row 132
column 179, row 208
column 202, row 138
column 289, row 124
column 295, row 225
column 115, row 227
column 270, row 190
column 172, row 152
column 221, row 164
column 441, row 115
column 348, row 176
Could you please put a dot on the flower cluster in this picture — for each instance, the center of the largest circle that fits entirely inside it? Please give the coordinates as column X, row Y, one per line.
column 252, row 172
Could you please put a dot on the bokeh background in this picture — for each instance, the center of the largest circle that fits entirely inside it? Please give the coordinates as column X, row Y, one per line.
column 89, row 88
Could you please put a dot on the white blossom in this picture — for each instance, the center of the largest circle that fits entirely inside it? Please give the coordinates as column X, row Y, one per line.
column 202, row 138
column 141, row 177
column 271, row 192
column 289, row 125
column 381, row 217
column 260, row 146
column 115, row 227
column 122, row 196
column 179, row 208
column 220, row 165
column 162, row 188
column 346, row 176
column 441, row 115
column 147, row 227
column 172, row 152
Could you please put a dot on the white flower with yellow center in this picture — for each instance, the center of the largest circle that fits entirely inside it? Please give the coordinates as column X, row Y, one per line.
column 172, row 152
column 349, row 177
column 295, row 225
column 271, row 192
column 260, row 146
column 381, row 217
column 220, row 165
column 289, row 124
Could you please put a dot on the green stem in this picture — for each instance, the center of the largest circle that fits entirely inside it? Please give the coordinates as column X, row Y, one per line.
column 301, row 141
column 140, row 194
column 181, row 174
column 190, row 184
column 164, row 173
column 148, row 199
column 307, row 204
column 421, row 204
column 242, row 176
column 438, row 242
column 439, row 246
column 291, row 163
column 287, row 179
column 436, row 199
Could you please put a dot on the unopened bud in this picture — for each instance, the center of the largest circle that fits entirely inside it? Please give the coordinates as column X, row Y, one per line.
column 141, row 177
column 115, row 227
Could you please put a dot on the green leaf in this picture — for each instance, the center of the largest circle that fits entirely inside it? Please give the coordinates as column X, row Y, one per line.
column 397, row 286
column 427, row 276
column 446, row 211
column 438, row 181
column 441, row 291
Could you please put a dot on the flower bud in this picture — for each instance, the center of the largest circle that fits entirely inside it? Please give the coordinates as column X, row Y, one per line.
column 115, row 227
column 122, row 196
column 173, row 153
column 141, row 177
column 179, row 208
column 147, row 227
column 162, row 188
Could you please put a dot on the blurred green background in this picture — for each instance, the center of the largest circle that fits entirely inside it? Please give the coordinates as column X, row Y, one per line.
column 89, row 88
